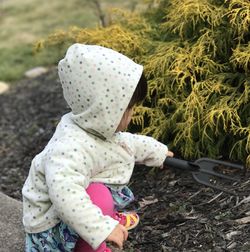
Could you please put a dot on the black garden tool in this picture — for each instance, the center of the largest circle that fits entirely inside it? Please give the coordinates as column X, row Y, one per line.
column 216, row 174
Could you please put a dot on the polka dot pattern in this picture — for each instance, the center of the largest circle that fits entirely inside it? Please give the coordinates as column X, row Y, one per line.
column 55, row 188
column 98, row 84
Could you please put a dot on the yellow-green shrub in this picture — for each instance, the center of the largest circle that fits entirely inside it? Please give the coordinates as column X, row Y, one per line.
column 196, row 58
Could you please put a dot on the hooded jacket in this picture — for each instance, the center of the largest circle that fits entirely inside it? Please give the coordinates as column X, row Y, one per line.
column 98, row 84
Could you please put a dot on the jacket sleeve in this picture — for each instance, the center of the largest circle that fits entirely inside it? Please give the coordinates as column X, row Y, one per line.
column 67, row 171
column 146, row 149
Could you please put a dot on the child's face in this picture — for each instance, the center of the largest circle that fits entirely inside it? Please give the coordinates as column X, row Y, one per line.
column 125, row 120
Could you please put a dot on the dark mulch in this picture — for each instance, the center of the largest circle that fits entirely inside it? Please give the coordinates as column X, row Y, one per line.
column 176, row 213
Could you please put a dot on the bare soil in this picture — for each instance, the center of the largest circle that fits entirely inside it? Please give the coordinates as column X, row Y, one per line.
column 176, row 213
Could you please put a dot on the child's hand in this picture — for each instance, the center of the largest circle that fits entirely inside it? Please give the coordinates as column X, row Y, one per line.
column 118, row 235
column 170, row 154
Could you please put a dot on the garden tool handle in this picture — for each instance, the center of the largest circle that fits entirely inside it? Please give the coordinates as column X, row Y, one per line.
column 181, row 164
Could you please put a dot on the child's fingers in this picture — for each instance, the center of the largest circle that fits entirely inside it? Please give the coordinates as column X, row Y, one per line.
column 119, row 244
column 125, row 233
column 118, row 236
column 170, row 154
column 117, row 241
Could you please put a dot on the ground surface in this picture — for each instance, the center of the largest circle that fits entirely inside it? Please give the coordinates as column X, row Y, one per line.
column 176, row 213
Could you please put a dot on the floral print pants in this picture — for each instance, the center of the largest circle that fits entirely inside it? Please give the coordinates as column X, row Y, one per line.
column 60, row 238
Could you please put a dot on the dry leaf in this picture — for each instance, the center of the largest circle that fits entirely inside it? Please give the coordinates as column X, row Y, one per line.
column 244, row 220
column 146, row 202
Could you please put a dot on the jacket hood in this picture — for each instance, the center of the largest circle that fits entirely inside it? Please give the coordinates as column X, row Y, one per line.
column 98, row 84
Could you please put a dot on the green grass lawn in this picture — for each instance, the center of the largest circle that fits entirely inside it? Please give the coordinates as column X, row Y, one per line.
column 24, row 22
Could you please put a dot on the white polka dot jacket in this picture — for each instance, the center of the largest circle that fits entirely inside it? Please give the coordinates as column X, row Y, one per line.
column 98, row 84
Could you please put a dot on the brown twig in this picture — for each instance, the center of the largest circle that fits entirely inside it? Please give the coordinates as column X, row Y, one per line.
column 99, row 12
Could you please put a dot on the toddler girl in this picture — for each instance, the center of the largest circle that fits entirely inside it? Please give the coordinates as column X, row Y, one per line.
column 77, row 181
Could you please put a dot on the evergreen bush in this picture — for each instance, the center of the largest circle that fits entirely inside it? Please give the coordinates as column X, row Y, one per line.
column 196, row 55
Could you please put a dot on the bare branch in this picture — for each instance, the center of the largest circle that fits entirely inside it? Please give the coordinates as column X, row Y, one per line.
column 99, row 12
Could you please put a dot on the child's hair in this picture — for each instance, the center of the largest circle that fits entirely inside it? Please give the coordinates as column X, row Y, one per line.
column 140, row 92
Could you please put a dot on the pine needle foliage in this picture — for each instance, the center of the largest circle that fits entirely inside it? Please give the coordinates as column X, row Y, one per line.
column 196, row 57
column 187, row 18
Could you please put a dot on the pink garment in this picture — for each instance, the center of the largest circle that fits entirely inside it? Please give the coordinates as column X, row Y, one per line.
column 101, row 197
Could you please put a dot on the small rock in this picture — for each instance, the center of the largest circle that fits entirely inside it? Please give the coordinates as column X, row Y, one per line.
column 35, row 72
column 3, row 87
